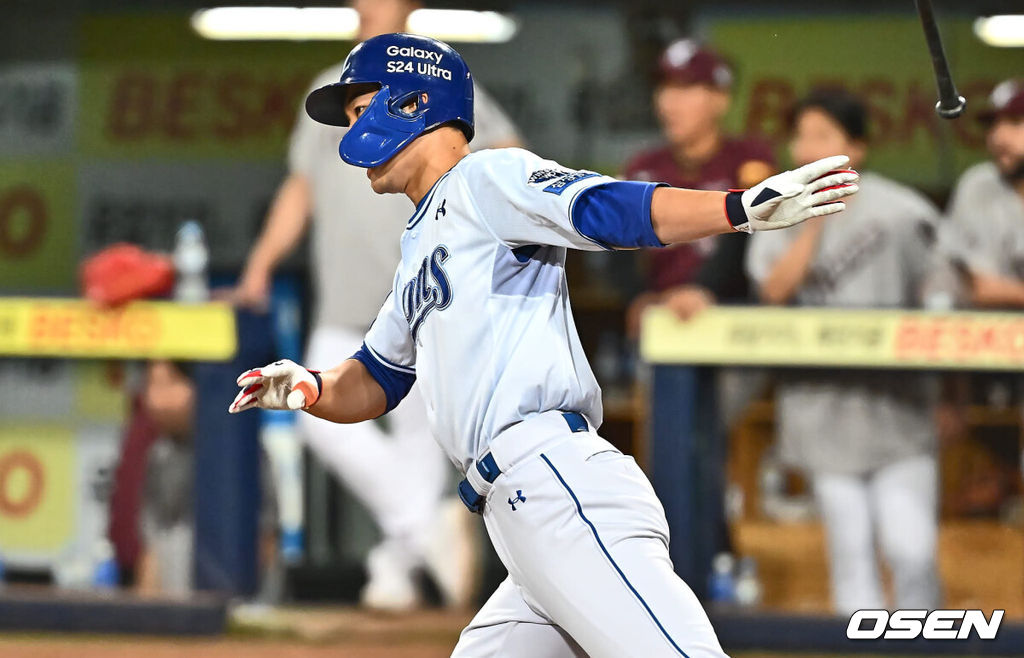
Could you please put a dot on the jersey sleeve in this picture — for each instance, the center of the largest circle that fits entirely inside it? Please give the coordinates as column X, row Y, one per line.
column 493, row 128
column 389, row 353
column 526, row 200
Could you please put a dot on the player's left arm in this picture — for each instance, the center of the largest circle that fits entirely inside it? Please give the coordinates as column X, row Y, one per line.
column 782, row 200
column 532, row 201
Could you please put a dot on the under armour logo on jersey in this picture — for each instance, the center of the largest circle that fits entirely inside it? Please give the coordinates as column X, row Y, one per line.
column 429, row 290
column 441, row 212
column 520, row 498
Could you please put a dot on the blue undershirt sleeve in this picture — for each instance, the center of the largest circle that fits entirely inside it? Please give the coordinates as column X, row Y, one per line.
column 616, row 215
column 394, row 379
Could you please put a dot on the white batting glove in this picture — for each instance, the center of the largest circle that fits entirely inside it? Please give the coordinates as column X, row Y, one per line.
column 793, row 196
column 281, row 385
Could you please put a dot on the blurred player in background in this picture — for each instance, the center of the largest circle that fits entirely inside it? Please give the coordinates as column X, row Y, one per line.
column 166, row 520
column 986, row 210
column 355, row 249
column 984, row 242
column 691, row 99
column 866, row 440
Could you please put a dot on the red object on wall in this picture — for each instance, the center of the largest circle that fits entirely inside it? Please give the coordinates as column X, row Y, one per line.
column 124, row 272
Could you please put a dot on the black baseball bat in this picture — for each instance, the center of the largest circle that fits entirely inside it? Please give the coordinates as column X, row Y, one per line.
column 951, row 104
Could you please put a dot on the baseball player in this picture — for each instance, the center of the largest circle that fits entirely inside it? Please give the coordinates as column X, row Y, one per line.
column 986, row 210
column 866, row 440
column 419, row 528
column 691, row 98
column 479, row 316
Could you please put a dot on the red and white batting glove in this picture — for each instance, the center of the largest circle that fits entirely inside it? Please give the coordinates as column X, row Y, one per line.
column 793, row 196
column 281, row 385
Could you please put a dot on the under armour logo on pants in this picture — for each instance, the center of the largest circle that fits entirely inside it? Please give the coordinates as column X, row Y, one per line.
column 520, row 498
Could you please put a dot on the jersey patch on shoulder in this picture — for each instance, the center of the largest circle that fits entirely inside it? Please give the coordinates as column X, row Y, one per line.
column 556, row 180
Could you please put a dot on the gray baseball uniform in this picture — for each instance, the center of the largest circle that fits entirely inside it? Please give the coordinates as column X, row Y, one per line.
column 986, row 223
column 874, row 254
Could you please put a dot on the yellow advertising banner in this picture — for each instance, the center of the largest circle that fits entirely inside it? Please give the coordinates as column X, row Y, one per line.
column 773, row 336
column 37, row 488
column 76, row 328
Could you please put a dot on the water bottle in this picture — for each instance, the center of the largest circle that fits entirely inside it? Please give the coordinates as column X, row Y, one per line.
column 74, row 570
column 748, row 586
column 721, row 584
column 190, row 260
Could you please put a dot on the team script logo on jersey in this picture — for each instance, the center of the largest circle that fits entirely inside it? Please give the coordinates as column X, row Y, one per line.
column 430, row 289
column 556, row 180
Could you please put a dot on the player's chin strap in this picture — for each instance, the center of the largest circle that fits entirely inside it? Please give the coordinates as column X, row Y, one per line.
column 735, row 213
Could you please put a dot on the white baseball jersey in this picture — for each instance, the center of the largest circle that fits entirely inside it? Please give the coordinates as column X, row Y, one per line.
column 479, row 313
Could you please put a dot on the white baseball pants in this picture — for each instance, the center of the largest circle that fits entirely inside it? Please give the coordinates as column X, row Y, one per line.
column 896, row 505
column 585, row 542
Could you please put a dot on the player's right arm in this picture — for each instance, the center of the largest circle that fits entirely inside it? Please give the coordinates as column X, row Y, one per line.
column 368, row 384
column 347, row 393
column 286, row 224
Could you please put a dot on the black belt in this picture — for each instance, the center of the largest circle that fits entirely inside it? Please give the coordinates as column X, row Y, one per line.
column 489, row 470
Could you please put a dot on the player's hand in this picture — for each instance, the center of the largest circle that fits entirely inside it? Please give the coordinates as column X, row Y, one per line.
column 281, row 385
column 253, row 290
column 793, row 196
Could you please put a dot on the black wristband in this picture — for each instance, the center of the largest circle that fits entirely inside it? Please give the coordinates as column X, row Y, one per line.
column 734, row 211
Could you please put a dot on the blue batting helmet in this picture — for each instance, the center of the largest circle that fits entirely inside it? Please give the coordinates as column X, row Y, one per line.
column 403, row 67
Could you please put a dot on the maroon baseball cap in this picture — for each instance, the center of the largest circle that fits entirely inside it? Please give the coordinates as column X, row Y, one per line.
column 687, row 62
column 1006, row 100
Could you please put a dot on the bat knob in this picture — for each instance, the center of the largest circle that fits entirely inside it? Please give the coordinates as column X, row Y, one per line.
column 951, row 111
